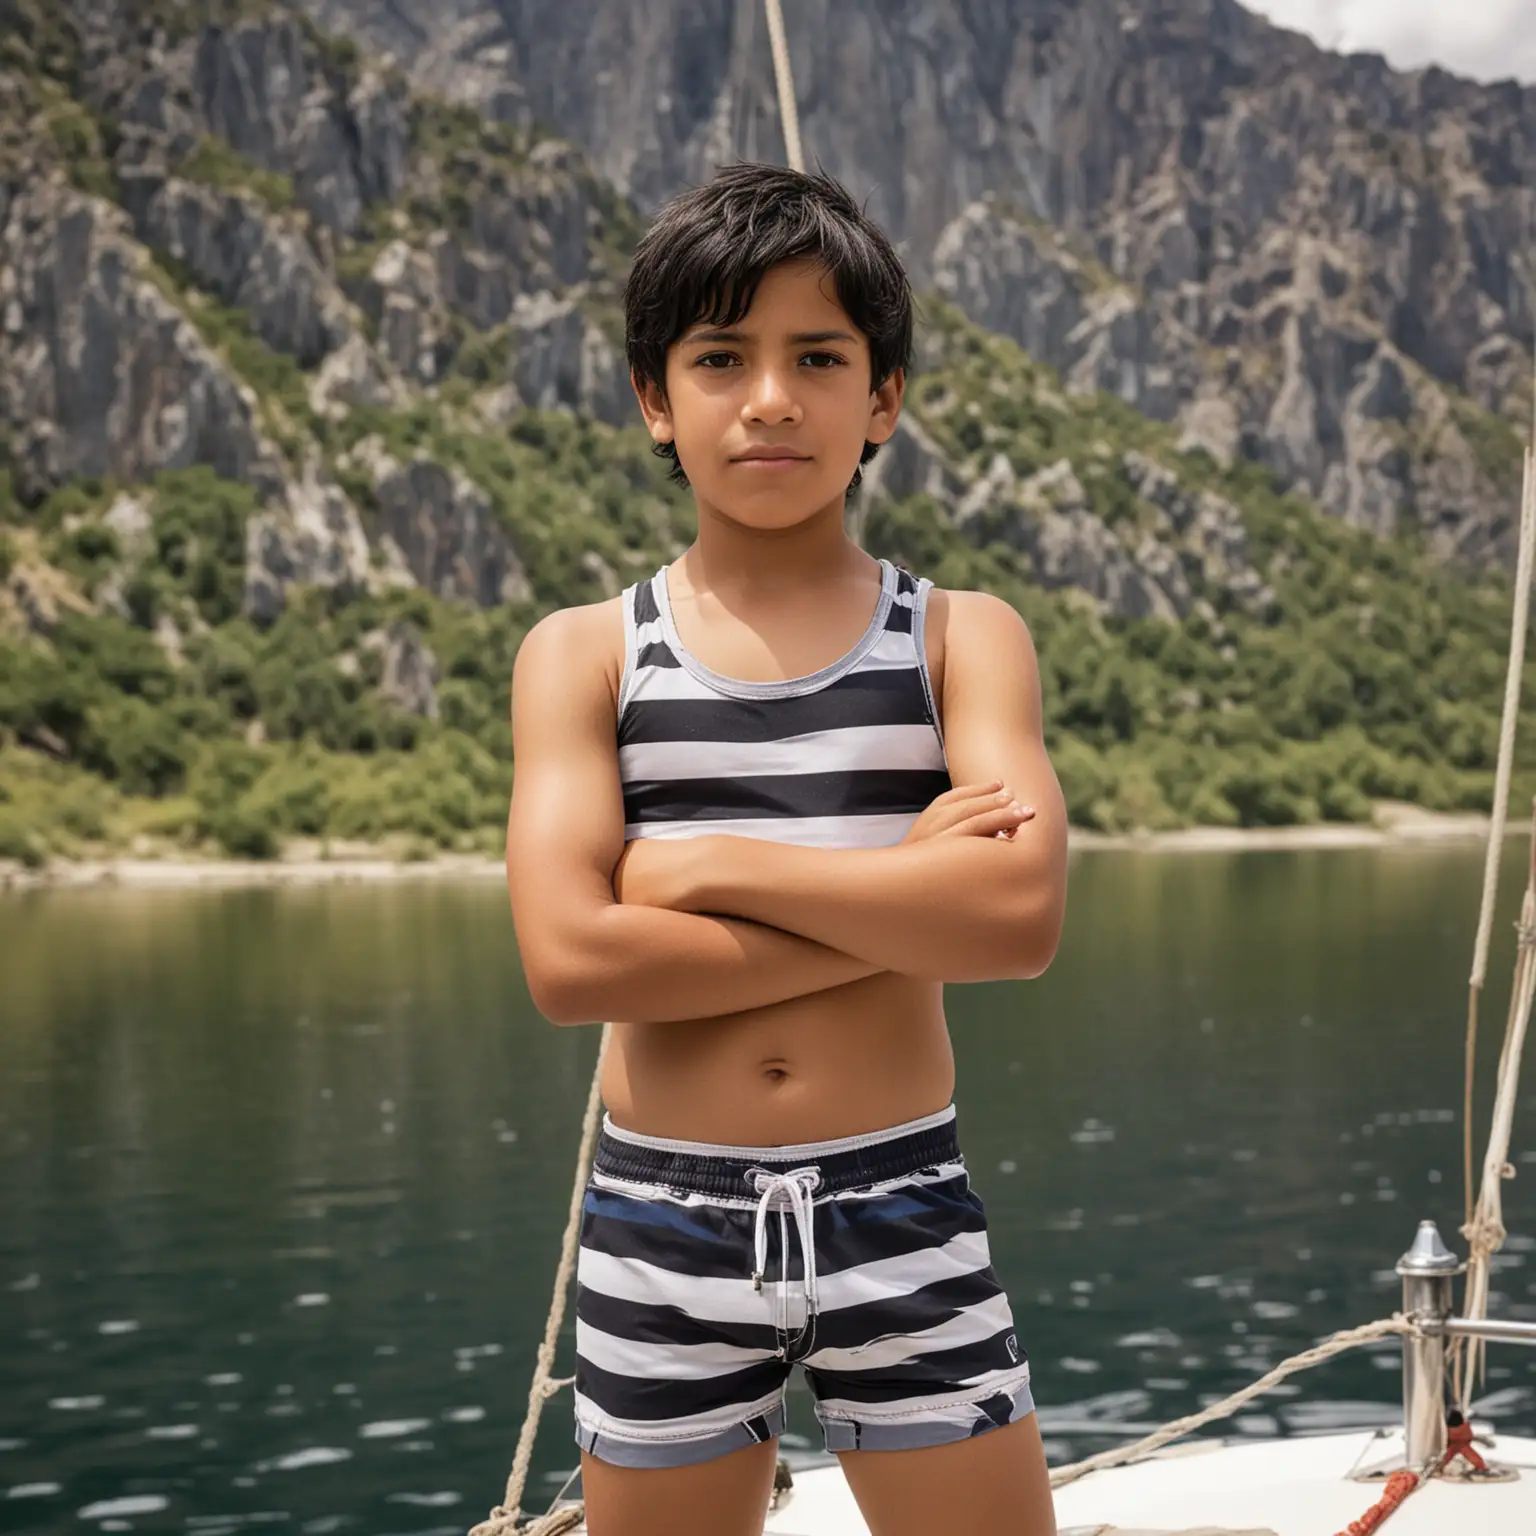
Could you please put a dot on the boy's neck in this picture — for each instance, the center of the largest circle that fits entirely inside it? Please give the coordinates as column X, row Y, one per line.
column 728, row 556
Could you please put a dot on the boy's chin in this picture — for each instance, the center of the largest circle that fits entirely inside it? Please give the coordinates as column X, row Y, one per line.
column 759, row 515
column 771, row 510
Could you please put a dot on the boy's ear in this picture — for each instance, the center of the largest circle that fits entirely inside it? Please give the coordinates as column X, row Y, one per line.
column 654, row 407
column 885, row 407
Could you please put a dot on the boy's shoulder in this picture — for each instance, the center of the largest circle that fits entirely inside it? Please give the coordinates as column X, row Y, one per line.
column 983, row 606
column 963, row 610
column 964, row 625
column 585, row 641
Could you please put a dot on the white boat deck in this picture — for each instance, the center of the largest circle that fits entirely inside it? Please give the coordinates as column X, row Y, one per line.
column 1296, row 1487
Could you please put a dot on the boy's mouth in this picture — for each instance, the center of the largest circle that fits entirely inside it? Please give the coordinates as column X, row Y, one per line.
column 771, row 456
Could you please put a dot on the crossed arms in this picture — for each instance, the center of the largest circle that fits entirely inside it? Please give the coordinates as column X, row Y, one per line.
column 659, row 931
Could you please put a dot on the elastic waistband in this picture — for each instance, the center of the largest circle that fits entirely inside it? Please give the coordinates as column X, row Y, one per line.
column 709, row 1168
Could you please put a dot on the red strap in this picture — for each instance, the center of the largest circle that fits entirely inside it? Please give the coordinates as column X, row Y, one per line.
column 1458, row 1441
column 1399, row 1486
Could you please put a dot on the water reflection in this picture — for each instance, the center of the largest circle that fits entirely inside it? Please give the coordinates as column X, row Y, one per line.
column 284, row 1172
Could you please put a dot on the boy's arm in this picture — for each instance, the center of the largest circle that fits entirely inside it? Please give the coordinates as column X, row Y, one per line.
column 585, row 956
column 948, row 909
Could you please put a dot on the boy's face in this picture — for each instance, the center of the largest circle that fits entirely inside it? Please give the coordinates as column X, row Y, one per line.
column 770, row 415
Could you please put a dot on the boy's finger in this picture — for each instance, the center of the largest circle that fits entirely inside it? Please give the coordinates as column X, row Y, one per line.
column 1001, row 819
column 973, row 797
column 944, row 818
column 966, row 792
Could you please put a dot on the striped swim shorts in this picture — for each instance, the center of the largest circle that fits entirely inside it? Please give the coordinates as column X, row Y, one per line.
column 708, row 1272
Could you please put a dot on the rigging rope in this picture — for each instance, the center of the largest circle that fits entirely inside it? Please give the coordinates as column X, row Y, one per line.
column 1512, row 679
column 1335, row 1344
column 1485, row 1231
column 786, row 85
column 503, row 1520
column 1484, row 1228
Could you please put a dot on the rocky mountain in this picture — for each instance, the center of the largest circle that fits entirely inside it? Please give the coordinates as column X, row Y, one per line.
column 250, row 192
column 1314, row 262
column 312, row 400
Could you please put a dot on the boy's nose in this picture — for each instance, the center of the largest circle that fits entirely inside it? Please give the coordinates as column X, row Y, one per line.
column 770, row 399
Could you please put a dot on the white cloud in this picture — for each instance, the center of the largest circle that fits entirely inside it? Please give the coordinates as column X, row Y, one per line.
column 1487, row 39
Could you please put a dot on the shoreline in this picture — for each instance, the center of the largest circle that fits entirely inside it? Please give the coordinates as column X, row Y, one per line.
column 1394, row 825
column 306, row 864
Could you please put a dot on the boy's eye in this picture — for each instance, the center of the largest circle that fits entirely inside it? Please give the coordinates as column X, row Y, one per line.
column 819, row 362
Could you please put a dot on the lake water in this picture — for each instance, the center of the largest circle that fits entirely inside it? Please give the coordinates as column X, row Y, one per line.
column 283, row 1174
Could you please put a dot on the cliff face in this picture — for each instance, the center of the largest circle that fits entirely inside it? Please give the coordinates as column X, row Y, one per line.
column 217, row 243
column 1307, row 260
column 312, row 395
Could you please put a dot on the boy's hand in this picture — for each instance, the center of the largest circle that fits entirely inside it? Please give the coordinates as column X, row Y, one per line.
column 971, row 810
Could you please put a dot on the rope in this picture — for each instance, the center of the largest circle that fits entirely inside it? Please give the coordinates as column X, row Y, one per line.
column 1519, row 619
column 1480, row 1232
column 1512, row 678
column 1399, row 1486
column 1485, row 1231
column 503, row 1520
column 1336, row 1344
column 1484, row 1226
column 786, row 84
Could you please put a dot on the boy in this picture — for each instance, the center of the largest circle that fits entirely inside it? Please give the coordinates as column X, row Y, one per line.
column 733, row 829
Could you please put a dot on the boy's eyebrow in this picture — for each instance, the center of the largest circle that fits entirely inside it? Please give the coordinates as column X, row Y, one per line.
column 799, row 339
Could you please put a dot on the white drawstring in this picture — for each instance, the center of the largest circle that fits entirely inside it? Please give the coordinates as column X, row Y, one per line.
column 790, row 1191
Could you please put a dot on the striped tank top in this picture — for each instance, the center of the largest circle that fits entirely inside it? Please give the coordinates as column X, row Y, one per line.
column 847, row 757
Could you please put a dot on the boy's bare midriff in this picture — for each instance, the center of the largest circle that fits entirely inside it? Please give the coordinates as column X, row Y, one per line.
column 861, row 1057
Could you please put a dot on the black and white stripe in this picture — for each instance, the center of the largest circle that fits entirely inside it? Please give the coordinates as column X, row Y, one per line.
column 681, row 1358
column 845, row 758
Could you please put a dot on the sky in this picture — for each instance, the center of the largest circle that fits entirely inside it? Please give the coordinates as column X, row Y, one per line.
column 1486, row 39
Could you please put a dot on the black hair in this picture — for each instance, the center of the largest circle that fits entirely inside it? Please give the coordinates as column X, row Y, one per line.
column 708, row 249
